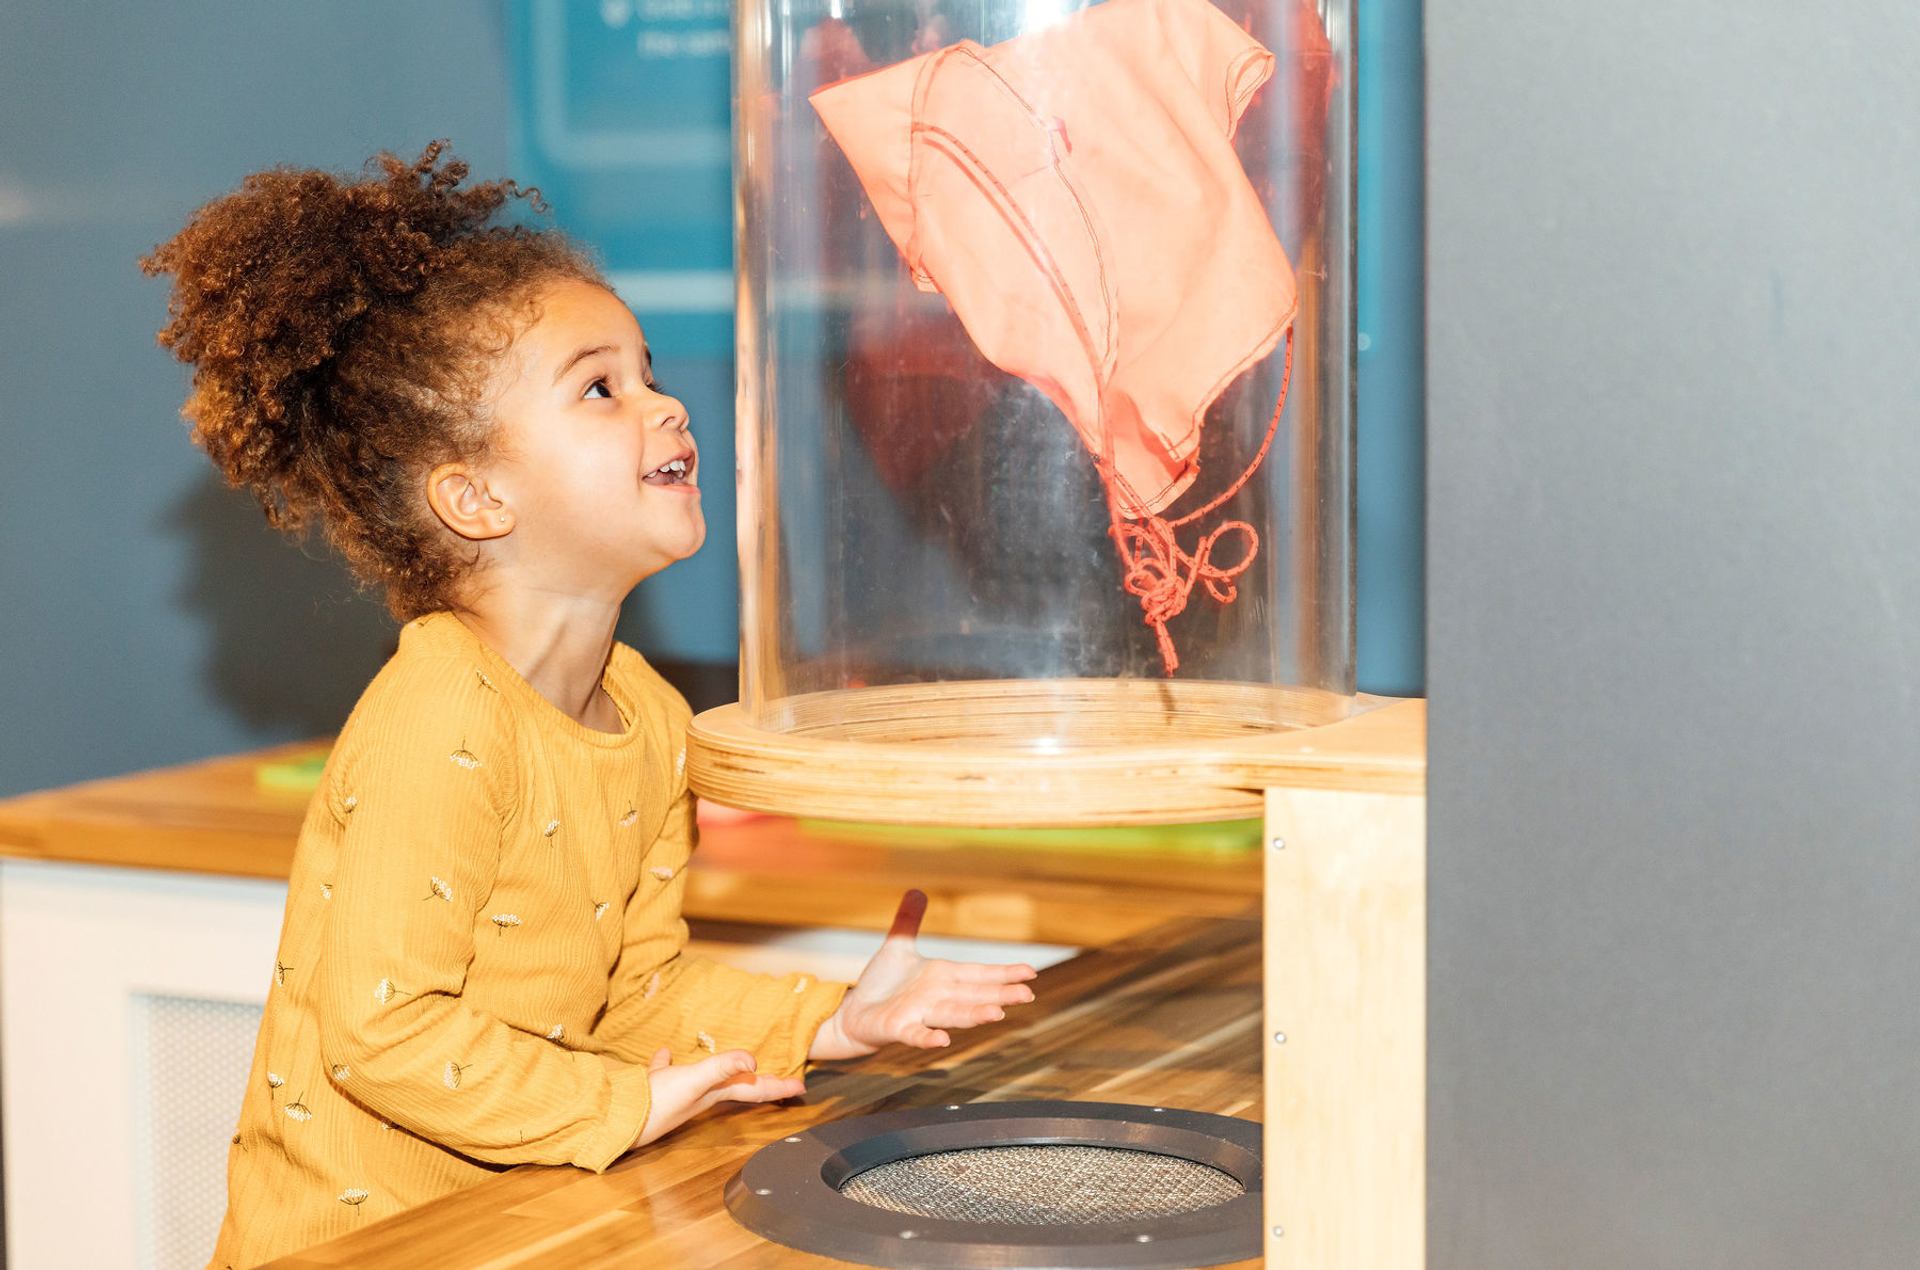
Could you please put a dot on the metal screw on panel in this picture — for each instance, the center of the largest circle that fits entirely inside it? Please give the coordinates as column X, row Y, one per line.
column 792, row 1139
column 1278, row 844
column 1279, row 1038
column 761, row 1190
column 953, row 1106
column 908, row 1234
column 1277, row 1232
column 1143, row 1239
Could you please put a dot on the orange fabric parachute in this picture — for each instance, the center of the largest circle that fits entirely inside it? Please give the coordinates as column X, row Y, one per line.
column 1075, row 195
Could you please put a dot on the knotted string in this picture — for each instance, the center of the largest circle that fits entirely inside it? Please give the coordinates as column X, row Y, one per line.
column 1157, row 570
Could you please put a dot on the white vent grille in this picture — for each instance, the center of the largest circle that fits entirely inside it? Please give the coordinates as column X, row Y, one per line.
column 190, row 1060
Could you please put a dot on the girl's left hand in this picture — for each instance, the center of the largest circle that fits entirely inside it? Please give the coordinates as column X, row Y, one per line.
column 904, row 997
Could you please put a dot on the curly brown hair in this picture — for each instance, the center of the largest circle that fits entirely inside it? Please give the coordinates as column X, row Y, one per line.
column 343, row 335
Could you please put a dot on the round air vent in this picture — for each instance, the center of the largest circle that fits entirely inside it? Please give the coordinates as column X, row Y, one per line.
column 1011, row 1184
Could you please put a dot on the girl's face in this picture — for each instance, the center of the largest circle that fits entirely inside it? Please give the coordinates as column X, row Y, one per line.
column 594, row 463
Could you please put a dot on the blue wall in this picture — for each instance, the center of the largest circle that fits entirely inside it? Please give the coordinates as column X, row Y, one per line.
column 147, row 615
column 1390, row 457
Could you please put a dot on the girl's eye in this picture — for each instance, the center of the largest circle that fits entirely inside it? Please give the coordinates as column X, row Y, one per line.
column 598, row 383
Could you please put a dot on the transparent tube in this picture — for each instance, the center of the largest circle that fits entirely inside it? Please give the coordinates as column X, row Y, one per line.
column 1045, row 368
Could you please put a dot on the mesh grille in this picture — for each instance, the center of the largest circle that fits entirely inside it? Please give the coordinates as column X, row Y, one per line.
column 1042, row 1185
column 195, row 1056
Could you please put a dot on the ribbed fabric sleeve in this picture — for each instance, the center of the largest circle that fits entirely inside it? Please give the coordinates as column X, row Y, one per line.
column 691, row 1004
column 415, row 873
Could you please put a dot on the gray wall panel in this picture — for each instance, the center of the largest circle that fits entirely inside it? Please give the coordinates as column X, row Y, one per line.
column 1674, row 634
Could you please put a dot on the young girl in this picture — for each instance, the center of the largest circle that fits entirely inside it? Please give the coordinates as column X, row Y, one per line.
column 482, row 961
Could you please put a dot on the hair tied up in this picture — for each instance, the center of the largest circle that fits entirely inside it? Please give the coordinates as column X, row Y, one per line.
column 339, row 328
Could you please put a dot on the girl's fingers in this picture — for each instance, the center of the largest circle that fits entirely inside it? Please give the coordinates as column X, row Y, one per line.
column 975, row 972
column 662, row 1057
column 964, row 1007
column 923, row 1037
column 725, row 1066
column 963, row 1014
column 730, row 1077
column 968, row 1015
column 760, row 1089
column 960, row 994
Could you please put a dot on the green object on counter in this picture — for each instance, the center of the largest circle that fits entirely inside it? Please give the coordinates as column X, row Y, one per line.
column 294, row 775
column 1213, row 836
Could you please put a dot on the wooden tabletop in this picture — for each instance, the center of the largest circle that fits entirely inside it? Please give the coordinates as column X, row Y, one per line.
column 1169, row 1017
column 212, row 817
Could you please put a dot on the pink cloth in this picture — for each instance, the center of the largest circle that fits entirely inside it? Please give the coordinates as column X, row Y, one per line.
column 1074, row 194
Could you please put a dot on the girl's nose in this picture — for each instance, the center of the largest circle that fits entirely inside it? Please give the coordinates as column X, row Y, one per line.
column 669, row 412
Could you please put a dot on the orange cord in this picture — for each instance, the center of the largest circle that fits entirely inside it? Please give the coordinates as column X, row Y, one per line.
column 1158, row 571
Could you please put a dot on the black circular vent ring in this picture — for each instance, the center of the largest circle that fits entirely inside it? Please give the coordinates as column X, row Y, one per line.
column 789, row 1191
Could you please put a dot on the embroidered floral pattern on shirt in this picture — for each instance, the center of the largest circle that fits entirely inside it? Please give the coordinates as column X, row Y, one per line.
column 438, row 889
column 297, row 1110
column 661, row 871
column 600, row 910
column 557, row 1032
column 504, row 921
column 340, row 1071
column 707, row 1043
column 353, row 1197
column 633, row 814
column 550, row 828
column 280, row 974
column 465, row 757
column 450, row 1077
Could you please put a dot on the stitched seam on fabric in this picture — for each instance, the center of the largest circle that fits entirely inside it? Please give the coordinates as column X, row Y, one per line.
column 1237, row 102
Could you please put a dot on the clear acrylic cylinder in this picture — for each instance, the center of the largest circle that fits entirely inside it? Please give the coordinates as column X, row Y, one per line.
column 1045, row 356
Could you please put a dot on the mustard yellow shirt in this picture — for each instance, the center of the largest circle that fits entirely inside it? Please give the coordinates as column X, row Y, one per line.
column 482, row 948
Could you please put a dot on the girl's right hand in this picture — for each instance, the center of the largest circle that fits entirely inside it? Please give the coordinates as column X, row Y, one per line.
column 681, row 1092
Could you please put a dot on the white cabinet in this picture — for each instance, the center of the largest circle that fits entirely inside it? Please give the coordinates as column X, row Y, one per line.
column 129, row 1000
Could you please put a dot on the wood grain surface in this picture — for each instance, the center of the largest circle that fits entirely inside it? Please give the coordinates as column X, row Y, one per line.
column 210, row 817
column 1139, row 752
column 1170, row 1017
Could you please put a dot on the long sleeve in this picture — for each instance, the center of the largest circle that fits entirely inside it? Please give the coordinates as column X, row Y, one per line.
column 693, row 1005
column 427, row 793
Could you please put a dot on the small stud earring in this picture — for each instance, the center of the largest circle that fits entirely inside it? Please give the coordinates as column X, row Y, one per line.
column 503, row 520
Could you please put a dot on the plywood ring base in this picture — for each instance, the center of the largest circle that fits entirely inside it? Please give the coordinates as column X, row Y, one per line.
column 970, row 764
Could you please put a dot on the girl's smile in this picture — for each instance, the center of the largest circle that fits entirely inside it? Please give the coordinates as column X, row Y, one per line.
column 675, row 474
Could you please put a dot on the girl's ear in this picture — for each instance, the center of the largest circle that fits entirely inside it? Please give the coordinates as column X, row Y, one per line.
column 460, row 498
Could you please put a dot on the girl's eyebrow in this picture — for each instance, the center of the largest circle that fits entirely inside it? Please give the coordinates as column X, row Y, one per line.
column 573, row 361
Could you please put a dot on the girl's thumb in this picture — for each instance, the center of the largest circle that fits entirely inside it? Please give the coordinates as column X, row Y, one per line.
column 662, row 1057
column 730, row 1063
column 906, row 918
